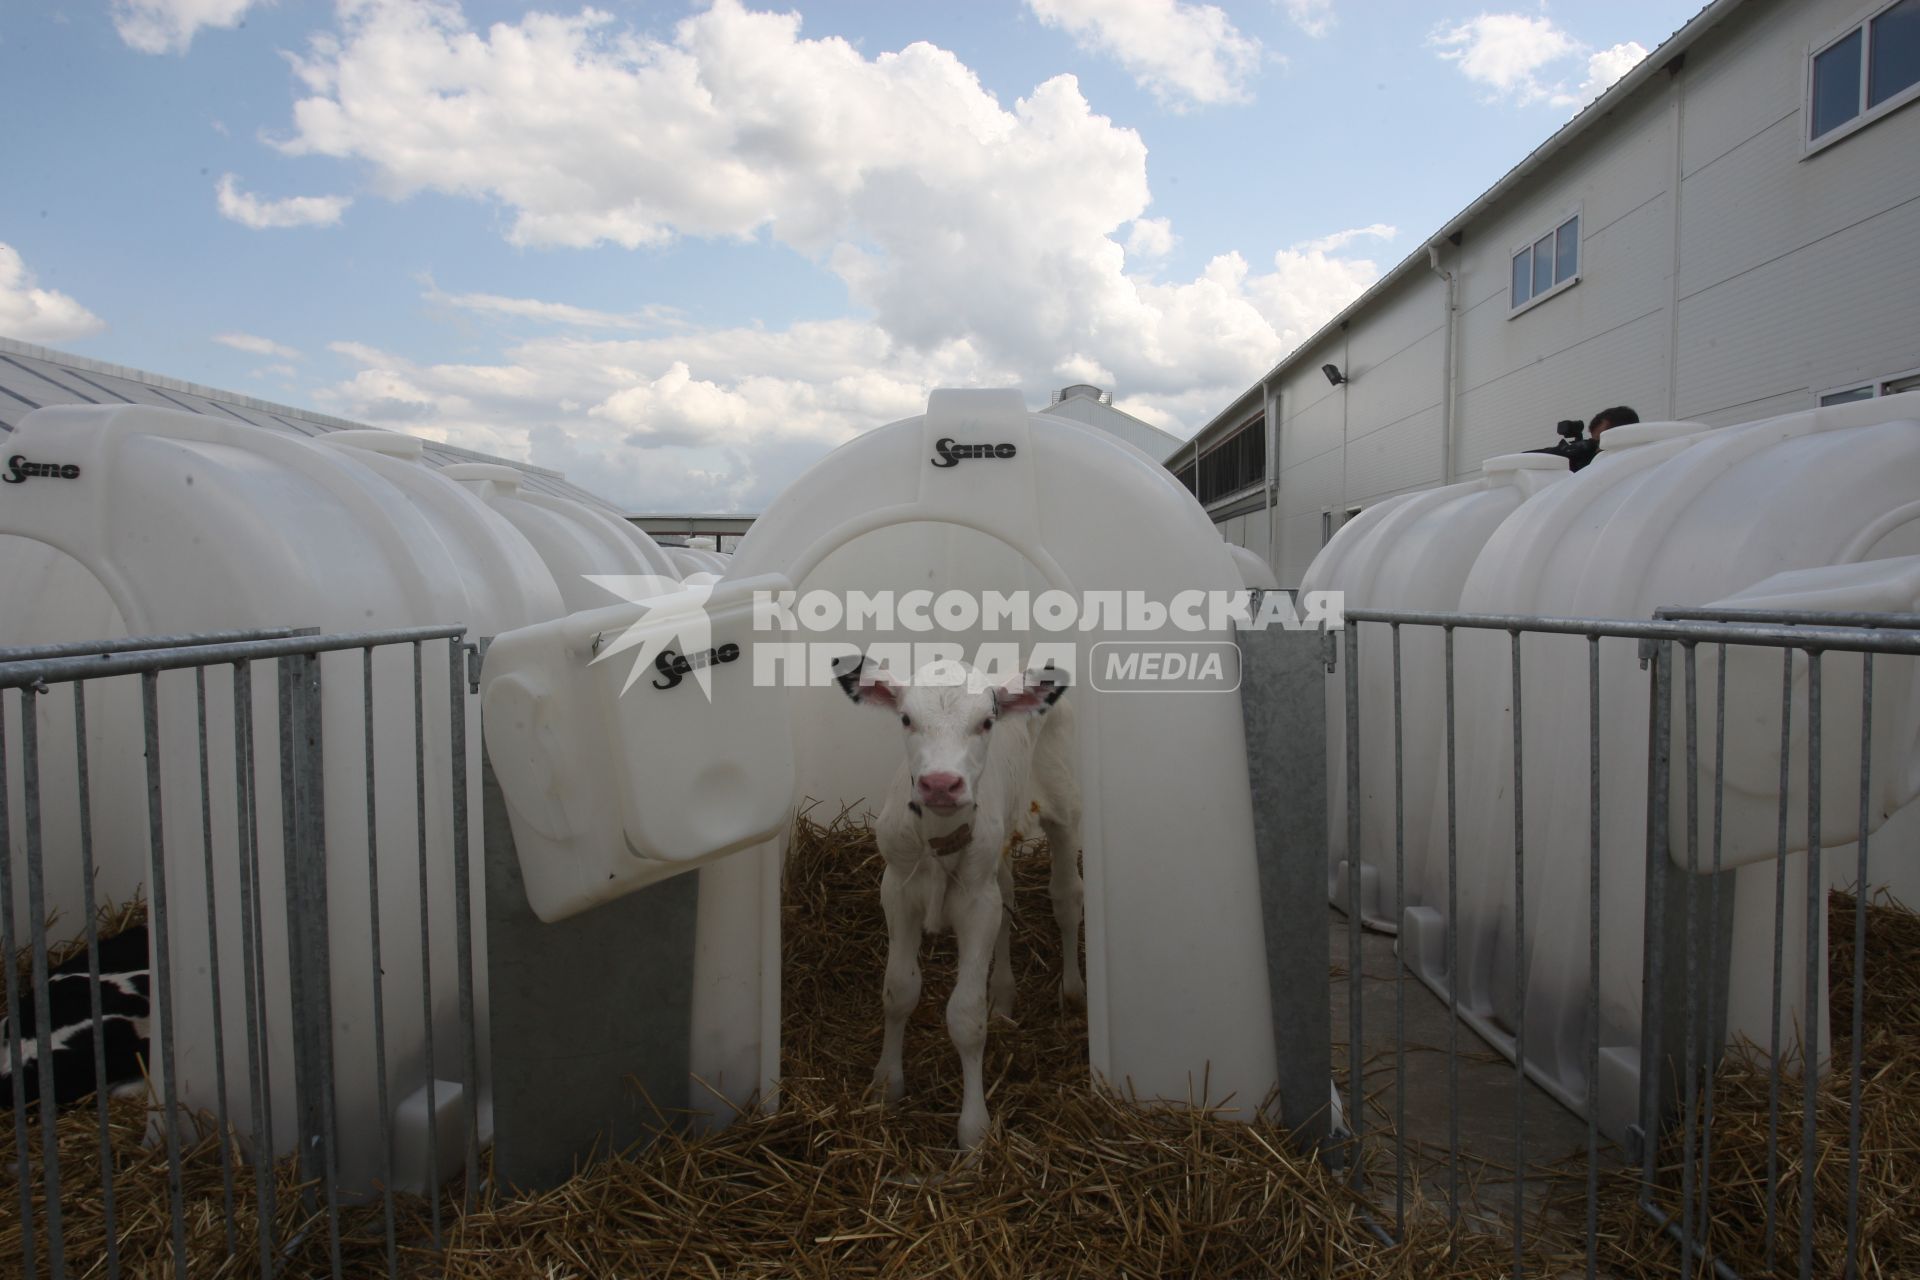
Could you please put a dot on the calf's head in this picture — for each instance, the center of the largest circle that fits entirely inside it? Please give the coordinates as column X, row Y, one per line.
column 947, row 716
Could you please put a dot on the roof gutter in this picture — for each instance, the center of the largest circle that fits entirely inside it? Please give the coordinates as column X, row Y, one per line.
column 1599, row 109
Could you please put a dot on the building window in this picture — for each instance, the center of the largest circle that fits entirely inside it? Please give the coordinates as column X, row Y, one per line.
column 1237, row 463
column 1549, row 264
column 1326, row 527
column 1891, row 386
column 1864, row 72
column 1185, row 476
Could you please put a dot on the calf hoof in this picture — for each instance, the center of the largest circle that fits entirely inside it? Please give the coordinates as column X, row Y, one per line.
column 891, row 1085
column 1002, row 1006
column 973, row 1127
column 1073, row 992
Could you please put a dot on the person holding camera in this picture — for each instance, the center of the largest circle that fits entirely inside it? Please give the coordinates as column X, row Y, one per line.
column 1579, row 452
column 1618, row 416
column 1576, row 451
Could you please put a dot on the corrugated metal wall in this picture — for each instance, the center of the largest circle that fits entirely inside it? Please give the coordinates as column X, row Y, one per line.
column 1797, row 273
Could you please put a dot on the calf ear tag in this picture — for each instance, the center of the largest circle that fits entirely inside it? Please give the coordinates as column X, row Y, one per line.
column 635, row 742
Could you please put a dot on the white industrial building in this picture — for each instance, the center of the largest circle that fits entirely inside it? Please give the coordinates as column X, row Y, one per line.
column 1731, row 231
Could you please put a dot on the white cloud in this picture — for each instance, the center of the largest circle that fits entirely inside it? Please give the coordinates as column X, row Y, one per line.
column 253, row 344
column 294, row 211
column 168, row 26
column 561, row 313
column 1151, row 238
column 1185, row 54
column 721, row 418
column 725, row 418
column 1341, row 239
column 1309, row 283
column 1603, row 69
column 32, row 314
column 1314, row 17
column 1507, row 53
column 899, row 173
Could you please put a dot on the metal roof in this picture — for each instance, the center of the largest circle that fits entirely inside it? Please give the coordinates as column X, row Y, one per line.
column 694, row 524
column 1565, row 136
column 31, row 377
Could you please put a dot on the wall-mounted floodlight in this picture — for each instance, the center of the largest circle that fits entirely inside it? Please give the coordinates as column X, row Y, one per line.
column 1333, row 373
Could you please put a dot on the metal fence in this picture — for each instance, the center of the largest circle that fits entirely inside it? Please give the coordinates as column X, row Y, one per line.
column 185, row 765
column 1679, row 935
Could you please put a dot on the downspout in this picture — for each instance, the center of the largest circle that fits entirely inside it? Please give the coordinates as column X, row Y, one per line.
column 1446, row 400
column 1674, row 68
column 1272, row 477
column 1345, row 387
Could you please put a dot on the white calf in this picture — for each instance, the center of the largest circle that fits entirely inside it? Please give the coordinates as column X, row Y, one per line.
column 978, row 756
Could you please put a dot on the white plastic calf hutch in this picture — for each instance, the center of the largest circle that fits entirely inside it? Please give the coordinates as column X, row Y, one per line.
column 1255, row 572
column 687, row 560
column 576, row 542
column 700, row 560
column 609, row 793
column 179, row 523
column 1413, row 551
column 1810, row 510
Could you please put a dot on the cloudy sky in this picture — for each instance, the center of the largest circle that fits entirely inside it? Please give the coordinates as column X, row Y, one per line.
column 679, row 250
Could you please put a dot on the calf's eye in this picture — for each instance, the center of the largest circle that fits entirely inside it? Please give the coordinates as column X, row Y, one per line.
column 907, row 721
column 986, row 724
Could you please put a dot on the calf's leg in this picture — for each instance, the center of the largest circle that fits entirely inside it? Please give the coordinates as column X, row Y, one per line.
column 1068, row 894
column 901, row 991
column 976, row 916
column 1000, row 985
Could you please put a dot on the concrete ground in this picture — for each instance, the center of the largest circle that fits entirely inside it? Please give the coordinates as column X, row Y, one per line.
column 1555, row 1146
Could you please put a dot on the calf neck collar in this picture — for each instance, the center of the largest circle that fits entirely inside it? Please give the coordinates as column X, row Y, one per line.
column 940, row 829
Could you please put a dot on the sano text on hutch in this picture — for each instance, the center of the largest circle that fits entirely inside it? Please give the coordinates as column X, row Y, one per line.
column 951, row 454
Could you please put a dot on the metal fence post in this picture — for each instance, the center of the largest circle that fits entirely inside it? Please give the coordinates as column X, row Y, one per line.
column 1283, row 697
column 1689, row 917
column 309, row 957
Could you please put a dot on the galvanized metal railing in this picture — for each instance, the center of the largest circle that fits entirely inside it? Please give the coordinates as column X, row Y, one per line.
column 296, row 720
column 1872, row 623
column 1671, row 1093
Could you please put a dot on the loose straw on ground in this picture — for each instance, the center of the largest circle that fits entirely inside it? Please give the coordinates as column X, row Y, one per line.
column 1072, row 1182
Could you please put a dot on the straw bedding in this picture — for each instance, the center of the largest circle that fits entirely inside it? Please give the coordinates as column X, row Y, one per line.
column 1889, row 1230
column 1071, row 1182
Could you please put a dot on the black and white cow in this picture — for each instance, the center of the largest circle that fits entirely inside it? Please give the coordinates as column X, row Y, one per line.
column 68, row 1041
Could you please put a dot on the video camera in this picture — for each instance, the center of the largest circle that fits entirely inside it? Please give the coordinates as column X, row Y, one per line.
column 1576, row 451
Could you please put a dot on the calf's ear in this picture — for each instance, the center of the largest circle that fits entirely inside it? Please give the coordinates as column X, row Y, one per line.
column 1030, row 692
column 864, row 680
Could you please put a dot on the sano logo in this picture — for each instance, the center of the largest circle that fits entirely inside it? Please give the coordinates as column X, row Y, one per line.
column 675, row 667
column 951, row 454
column 19, row 470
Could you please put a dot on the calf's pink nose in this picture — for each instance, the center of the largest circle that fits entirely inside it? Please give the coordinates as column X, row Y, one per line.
column 942, row 787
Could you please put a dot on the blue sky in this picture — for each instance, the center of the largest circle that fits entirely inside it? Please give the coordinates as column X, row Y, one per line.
column 681, row 250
